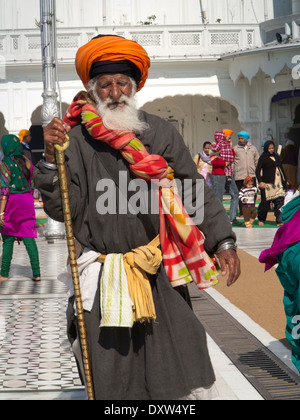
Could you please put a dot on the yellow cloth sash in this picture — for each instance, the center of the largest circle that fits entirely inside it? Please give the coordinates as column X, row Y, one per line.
column 137, row 263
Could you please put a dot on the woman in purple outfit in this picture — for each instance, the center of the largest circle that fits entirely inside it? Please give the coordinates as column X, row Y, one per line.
column 204, row 165
column 17, row 213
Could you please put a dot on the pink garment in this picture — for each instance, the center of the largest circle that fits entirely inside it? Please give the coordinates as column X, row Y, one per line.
column 19, row 215
column 205, row 172
column 286, row 235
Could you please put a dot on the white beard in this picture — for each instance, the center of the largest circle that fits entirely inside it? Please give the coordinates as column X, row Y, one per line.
column 120, row 118
column 125, row 118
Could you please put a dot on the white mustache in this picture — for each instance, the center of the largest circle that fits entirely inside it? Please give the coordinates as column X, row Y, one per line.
column 113, row 104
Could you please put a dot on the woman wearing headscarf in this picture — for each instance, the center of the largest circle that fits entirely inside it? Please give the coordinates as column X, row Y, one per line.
column 285, row 253
column 204, row 165
column 17, row 213
column 272, row 183
column 289, row 159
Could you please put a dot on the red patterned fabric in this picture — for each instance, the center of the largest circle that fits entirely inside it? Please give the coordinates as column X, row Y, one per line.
column 182, row 243
column 225, row 151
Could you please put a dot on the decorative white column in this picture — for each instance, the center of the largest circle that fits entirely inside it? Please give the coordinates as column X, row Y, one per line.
column 50, row 109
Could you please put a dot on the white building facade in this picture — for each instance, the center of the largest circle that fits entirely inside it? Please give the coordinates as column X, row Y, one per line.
column 214, row 63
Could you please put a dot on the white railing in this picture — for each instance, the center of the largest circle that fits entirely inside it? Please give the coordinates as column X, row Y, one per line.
column 161, row 42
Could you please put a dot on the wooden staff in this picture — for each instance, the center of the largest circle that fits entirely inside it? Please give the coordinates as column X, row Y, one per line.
column 61, row 166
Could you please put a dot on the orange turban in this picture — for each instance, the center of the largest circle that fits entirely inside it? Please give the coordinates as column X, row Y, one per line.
column 111, row 48
column 227, row 132
column 24, row 133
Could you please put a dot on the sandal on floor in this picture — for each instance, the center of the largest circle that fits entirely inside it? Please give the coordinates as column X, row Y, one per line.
column 37, row 279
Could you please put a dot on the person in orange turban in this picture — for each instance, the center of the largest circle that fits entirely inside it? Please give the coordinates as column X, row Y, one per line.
column 23, row 133
column 227, row 132
column 112, row 142
column 112, row 54
column 25, row 139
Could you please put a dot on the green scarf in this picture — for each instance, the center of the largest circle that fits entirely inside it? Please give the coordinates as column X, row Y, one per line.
column 288, row 211
column 11, row 175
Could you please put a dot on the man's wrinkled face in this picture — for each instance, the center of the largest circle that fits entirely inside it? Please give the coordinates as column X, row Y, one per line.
column 113, row 88
column 114, row 96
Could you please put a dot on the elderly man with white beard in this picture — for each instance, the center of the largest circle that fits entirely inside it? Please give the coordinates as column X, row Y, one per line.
column 145, row 342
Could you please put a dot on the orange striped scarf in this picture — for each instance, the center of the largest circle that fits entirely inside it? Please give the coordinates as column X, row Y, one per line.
column 182, row 243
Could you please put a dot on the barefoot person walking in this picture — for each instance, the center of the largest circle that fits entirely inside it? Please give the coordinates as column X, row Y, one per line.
column 145, row 342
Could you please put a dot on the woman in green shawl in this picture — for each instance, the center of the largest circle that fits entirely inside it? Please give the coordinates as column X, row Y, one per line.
column 285, row 251
column 17, row 212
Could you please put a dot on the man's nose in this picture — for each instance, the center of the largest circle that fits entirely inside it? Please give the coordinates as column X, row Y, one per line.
column 115, row 92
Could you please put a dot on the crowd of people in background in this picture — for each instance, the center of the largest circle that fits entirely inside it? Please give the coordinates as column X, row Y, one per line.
column 247, row 175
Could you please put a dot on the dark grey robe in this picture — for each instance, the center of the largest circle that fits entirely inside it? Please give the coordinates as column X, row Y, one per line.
column 167, row 358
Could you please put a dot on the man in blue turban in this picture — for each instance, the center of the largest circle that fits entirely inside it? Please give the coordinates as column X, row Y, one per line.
column 246, row 158
column 243, row 135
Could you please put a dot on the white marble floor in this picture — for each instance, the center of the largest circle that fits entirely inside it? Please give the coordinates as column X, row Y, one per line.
column 35, row 354
column 254, row 241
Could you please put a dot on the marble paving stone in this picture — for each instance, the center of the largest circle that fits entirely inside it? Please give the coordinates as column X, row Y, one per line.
column 254, row 241
column 35, row 354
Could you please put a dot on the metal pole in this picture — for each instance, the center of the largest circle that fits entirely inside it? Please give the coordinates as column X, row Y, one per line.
column 50, row 106
column 54, row 230
column 49, row 111
column 202, row 12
